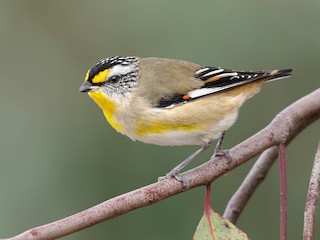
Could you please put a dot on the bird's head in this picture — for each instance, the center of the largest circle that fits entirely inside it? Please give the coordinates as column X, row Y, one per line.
column 109, row 83
column 115, row 77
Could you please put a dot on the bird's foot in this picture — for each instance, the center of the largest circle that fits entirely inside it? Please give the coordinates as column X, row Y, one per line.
column 223, row 153
column 178, row 176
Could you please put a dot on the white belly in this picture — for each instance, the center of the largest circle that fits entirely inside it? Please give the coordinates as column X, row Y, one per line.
column 195, row 137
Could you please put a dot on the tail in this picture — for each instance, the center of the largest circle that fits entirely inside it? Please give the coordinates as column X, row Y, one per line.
column 279, row 74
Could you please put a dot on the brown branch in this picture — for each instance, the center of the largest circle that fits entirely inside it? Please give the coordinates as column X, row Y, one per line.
column 305, row 110
column 312, row 198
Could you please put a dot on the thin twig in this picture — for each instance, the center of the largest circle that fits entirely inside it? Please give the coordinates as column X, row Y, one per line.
column 304, row 111
column 256, row 175
column 208, row 210
column 312, row 198
column 283, row 191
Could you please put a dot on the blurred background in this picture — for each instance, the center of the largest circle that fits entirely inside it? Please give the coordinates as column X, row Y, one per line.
column 59, row 156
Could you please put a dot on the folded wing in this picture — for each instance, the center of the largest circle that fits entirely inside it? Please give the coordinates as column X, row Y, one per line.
column 218, row 79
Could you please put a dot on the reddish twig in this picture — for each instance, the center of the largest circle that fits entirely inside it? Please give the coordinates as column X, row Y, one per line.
column 303, row 112
column 208, row 209
column 312, row 198
column 283, row 191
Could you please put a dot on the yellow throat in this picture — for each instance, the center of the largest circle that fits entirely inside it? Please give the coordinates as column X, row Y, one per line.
column 108, row 108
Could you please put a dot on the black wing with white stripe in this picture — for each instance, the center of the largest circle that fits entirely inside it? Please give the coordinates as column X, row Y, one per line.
column 218, row 79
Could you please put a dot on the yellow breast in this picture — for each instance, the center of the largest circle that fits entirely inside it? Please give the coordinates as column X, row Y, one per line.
column 108, row 108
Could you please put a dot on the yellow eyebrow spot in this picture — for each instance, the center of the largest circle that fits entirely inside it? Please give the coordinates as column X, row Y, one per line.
column 87, row 75
column 101, row 76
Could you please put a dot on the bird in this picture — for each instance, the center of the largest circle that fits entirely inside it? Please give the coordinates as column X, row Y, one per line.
column 171, row 102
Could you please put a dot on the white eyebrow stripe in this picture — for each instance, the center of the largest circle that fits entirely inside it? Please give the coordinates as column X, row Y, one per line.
column 213, row 72
column 121, row 70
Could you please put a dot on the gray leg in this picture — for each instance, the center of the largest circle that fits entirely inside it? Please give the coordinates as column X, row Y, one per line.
column 219, row 143
column 175, row 172
column 218, row 151
column 184, row 163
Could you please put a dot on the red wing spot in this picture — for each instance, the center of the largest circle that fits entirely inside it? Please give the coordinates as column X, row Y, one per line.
column 185, row 97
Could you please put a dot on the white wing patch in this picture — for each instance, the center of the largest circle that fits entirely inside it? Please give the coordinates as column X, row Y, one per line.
column 201, row 92
column 226, row 74
column 213, row 72
column 206, row 91
column 202, row 70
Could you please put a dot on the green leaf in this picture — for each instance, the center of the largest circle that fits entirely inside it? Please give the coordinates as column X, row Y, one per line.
column 212, row 226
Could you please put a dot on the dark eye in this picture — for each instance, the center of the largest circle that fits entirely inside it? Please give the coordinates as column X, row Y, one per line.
column 114, row 79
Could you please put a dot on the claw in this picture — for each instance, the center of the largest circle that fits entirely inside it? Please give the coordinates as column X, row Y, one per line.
column 223, row 153
column 178, row 176
column 185, row 182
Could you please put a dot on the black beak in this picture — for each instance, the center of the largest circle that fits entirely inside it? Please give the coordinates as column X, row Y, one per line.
column 85, row 87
